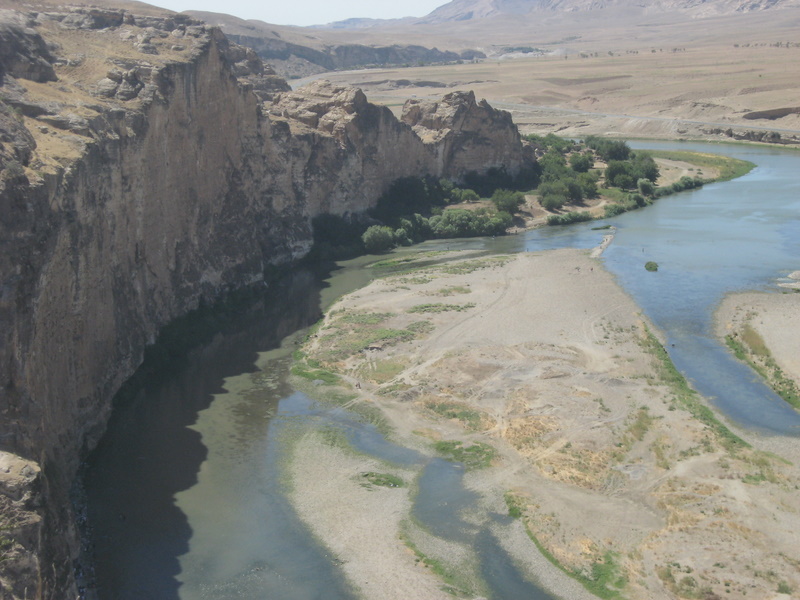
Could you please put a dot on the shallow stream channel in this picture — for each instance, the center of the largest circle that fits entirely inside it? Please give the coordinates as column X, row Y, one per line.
column 187, row 490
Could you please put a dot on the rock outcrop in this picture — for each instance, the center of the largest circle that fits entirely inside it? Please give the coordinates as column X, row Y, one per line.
column 463, row 134
column 149, row 165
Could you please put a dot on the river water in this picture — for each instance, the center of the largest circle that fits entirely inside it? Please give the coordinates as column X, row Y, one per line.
column 185, row 491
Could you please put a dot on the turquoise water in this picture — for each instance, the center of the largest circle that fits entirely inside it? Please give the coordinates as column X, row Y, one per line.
column 185, row 494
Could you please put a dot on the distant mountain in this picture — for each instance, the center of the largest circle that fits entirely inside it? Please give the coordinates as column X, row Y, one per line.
column 299, row 52
column 466, row 10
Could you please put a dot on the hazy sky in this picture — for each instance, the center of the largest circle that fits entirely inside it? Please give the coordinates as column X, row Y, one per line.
column 306, row 12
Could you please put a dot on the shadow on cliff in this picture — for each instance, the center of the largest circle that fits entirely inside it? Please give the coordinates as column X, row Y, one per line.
column 150, row 453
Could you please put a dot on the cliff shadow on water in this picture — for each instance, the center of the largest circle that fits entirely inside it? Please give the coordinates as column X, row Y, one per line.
column 134, row 531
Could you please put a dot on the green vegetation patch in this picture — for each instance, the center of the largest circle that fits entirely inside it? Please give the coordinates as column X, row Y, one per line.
column 749, row 346
column 454, row 584
column 729, row 168
column 606, row 580
column 570, row 217
column 438, row 307
column 516, row 507
column 453, row 290
column 471, row 418
column 641, row 424
column 349, row 339
column 465, row 267
column 651, row 266
column 685, row 397
column 381, row 371
column 373, row 479
column 364, row 318
column 306, row 372
column 421, row 327
column 475, row 456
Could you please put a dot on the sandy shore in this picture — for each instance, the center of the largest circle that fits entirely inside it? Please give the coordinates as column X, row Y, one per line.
column 543, row 357
column 775, row 319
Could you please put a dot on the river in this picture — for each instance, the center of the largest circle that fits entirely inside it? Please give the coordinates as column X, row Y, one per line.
column 185, row 491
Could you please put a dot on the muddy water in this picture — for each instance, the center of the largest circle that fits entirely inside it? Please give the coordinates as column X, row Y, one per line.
column 185, row 491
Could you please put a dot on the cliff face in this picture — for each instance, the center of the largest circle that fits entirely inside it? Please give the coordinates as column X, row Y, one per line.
column 147, row 165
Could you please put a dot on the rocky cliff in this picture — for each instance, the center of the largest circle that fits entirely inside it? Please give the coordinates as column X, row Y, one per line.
column 148, row 165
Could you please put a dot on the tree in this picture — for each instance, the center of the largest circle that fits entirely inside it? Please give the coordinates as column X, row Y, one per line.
column 588, row 183
column 623, row 181
column 554, row 166
column 377, row 239
column 507, row 201
column 580, row 162
column 643, row 167
column 574, row 190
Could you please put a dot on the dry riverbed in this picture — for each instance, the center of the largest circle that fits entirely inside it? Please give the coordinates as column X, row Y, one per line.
column 575, row 422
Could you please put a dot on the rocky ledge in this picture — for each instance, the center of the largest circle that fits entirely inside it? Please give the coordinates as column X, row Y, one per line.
column 149, row 165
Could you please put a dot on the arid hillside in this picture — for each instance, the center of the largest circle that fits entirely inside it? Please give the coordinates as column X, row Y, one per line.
column 718, row 70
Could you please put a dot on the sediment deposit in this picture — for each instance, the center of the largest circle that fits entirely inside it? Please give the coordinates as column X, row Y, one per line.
column 543, row 365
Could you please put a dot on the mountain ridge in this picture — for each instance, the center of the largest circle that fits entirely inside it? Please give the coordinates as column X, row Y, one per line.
column 471, row 10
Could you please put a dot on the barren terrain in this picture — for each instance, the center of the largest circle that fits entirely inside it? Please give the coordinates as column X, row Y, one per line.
column 697, row 93
column 610, row 461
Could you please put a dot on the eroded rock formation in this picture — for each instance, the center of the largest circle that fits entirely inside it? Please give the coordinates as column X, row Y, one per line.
column 148, row 165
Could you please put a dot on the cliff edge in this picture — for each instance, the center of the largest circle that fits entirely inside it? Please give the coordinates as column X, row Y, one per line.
column 147, row 164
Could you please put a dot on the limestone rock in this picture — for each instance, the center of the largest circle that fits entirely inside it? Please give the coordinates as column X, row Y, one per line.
column 466, row 135
column 23, row 52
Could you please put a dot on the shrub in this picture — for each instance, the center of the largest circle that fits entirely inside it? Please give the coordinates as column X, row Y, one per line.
column 651, row 266
column 552, row 201
column 646, row 187
column 378, row 238
column 612, row 210
column 570, row 217
column 507, row 201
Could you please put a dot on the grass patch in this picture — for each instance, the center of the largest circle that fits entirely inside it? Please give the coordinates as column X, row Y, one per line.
column 304, row 371
column 342, row 345
column 606, row 580
column 469, row 266
column 364, row 318
column 438, row 307
column 421, row 327
column 336, row 438
column 372, row 479
column 641, row 424
column 516, row 508
column 452, row 583
column 393, row 262
column 469, row 417
column 685, row 397
column 754, row 341
column 381, row 371
column 750, row 347
column 453, row 290
column 728, row 168
column 475, row 456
